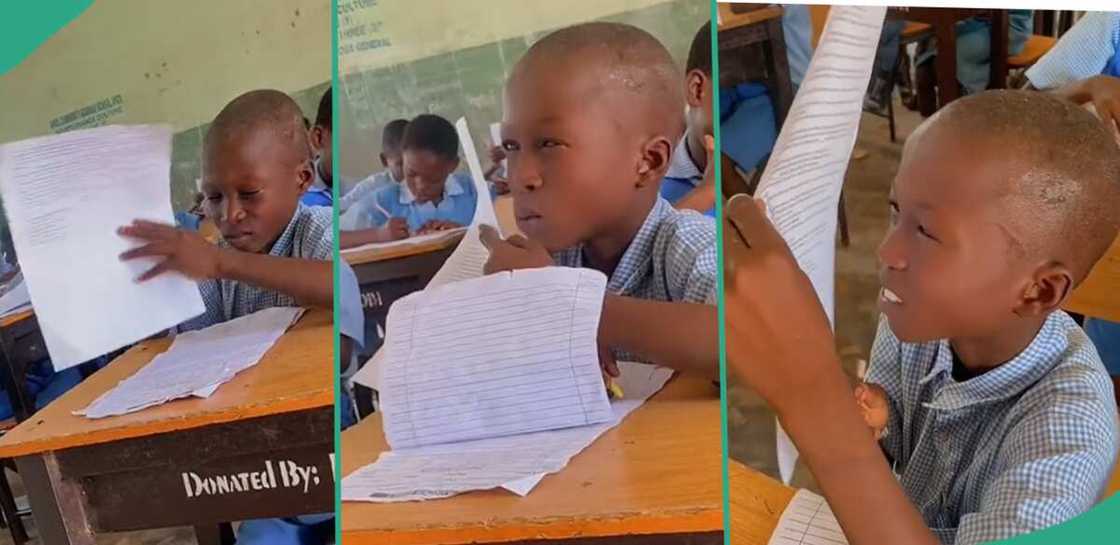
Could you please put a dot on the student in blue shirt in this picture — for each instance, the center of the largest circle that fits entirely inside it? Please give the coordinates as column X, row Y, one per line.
column 581, row 203
column 434, row 197
column 391, row 158
column 995, row 414
column 689, row 183
column 319, row 193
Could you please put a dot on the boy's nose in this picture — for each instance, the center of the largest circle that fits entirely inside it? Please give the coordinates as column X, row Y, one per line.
column 234, row 212
column 891, row 252
column 523, row 175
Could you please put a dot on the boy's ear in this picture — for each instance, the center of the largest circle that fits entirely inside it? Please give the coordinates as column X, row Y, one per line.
column 694, row 88
column 316, row 137
column 1050, row 287
column 305, row 174
column 384, row 161
column 656, row 154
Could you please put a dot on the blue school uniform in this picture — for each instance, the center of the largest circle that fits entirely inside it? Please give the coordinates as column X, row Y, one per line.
column 1091, row 47
column 457, row 205
column 748, row 129
column 683, row 176
column 366, row 188
column 1024, row 446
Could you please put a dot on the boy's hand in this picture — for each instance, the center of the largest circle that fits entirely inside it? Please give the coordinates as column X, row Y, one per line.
column 872, row 401
column 771, row 329
column 181, row 251
column 437, row 225
column 515, row 252
column 394, row 229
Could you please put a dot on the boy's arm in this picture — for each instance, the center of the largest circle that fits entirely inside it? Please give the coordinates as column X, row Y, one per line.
column 684, row 336
column 780, row 342
column 310, row 282
column 703, row 197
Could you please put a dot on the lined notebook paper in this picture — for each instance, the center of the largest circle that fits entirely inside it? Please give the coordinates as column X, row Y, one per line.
column 803, row 179
column 504, row 354
column 807, row 520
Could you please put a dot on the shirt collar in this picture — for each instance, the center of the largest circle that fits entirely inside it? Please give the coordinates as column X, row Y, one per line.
column 451, row 188
column 1005, row 381
column 681, row 165
column 286, row 241
column 637, row 258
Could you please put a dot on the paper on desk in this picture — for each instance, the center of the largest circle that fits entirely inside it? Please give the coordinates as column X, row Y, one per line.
column 468, row 258
column 508, row 353
column 516, row 463
column 197, row 363
column 807, row 520
column 404, row 242
column 65, row 196
column 802, row 181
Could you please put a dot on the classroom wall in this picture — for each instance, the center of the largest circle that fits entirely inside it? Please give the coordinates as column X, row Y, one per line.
column 452, row 58
column 180, row 66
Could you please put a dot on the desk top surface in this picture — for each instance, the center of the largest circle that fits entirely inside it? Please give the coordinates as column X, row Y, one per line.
column 756, row 503
column 285, row 380
column 375, row 254
column 729, row 20
column 17, row 317
column 658, row 472
column 1099, row 294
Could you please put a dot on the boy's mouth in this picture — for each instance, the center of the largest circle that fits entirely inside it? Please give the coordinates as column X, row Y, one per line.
column 888, row 296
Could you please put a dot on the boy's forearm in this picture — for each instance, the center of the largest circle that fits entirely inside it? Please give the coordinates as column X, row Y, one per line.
column 824, row 422
column 310, row 282
column 700, row 199
column 684, row 336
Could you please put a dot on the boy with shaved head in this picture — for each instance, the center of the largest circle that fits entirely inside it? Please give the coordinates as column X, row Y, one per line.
column 591, row 116
column 991, row 406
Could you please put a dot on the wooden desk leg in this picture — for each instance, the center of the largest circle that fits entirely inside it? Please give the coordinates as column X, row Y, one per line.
column 57, row 505
column 997, row 78
column 946, row 62
column 775, row 49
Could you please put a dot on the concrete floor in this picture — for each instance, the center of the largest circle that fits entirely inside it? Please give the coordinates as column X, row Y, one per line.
column 866, row 188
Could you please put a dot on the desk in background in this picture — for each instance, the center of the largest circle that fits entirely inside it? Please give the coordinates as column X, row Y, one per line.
column 760, row 28
column 756, row 502
column 653, row 479
column 1098, row 295
column 131, row 472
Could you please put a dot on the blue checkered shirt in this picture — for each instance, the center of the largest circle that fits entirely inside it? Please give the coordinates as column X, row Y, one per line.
column 308, row 235
column 672, row 258
column 1089, row 48
column 1026, row 445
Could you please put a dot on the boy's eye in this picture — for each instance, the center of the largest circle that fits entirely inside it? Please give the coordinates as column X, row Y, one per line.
column 925, row 232
column 214, row 198
column 548, row 143
column 509, row 145
column 248, row 194
column 894, row 214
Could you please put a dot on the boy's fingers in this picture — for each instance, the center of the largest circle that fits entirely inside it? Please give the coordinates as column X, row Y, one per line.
column 153, row 272
column 518, row 241
column 143, row 251
column 607, row 361
column 489, row 236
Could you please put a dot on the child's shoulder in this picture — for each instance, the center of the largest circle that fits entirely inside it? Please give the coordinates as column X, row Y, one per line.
column 1079, row 375
column 683, row 233
column 314, row 233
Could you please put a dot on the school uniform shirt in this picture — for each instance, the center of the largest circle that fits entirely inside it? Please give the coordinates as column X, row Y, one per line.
column 319, row 194
column 457, row 205
column 366, row 188
column 671, row 258
column 683, row 176
column 1024, row 446
column 1091, row 47
column 307, row 236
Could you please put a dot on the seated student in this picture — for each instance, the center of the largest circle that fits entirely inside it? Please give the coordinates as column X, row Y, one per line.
column 274, row 250
column 690, row 182
column 591, row 118
column 998, row 416
column 391, row 159
column 319, row 193
column 434, row 197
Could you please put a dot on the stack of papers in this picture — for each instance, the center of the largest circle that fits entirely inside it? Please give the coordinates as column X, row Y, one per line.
column 807, row 520
column 494, row 382
column 197, row 363
column 405, row 242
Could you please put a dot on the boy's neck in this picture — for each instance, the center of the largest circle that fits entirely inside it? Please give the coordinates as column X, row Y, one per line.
column 604, row 252
column 978, row 355
column 694, row 145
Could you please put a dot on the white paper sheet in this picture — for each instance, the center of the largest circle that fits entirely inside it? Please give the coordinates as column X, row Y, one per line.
column 197, row 363
column 802, row 182
column 65, row 196
column 404, row 242
column 516, row 463
column 807, row 520
column 504, row 354
column 470, row 255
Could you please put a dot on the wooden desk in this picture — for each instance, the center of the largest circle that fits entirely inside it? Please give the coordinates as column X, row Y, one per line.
column 943, row 21
column 1099, row 295
column 756, row 502
column 760, row 27
column 653, row 479
column 21, row 344
column 129, row 472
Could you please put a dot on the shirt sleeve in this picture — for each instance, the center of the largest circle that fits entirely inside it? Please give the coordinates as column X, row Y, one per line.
column 211, row 292
column 690, row 260
column 1082, row 52
column 364, row 187
column 1052, row 465
column 885, row 370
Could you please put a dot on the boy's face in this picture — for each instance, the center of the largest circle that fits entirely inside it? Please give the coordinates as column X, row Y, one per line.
column 426, row 173
column 321, row 140
column 573, row 168
column 252, row 183
column 698, row 93
column 947, row 265
column 393, row 159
